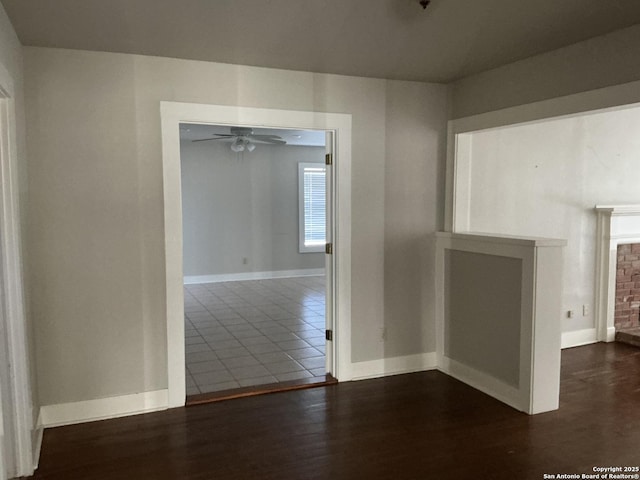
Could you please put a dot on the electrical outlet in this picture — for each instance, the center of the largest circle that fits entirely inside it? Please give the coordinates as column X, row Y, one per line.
column 586, row 310
column 570, row 314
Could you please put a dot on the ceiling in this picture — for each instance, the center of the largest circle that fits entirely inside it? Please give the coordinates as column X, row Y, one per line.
column 309, row 138
column 394, row 39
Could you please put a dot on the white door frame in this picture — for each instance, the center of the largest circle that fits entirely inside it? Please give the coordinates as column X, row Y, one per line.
column 19, row 384
column 172, row 115
column 330, row 291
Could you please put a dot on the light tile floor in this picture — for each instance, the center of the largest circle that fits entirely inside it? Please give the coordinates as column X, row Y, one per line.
column 239, row 334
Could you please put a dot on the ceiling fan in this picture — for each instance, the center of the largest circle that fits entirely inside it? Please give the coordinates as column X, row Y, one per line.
column 244, row 138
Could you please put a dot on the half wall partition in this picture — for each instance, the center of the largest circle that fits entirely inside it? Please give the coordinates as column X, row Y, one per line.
column 498, row 316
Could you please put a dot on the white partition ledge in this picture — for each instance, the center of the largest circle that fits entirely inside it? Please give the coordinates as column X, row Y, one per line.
column 616, row 225
column 499, row 314
column 504, row 239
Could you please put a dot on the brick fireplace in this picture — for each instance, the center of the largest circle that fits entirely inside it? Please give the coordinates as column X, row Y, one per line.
column 627, row 293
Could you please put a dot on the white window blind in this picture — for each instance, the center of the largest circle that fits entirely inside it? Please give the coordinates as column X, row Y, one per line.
column 312, row 192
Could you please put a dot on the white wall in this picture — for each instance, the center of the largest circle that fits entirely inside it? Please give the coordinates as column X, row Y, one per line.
column 603, row 61
column 96, row 206
column 544, row 179
column 238, row 206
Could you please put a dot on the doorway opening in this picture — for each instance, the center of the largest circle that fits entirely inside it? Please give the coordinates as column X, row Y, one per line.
column 257, row 281
column 338, row 348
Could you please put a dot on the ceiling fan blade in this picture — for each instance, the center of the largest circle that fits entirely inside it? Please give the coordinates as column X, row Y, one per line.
column 222, row 137
column 265, row 137
column 268, row 139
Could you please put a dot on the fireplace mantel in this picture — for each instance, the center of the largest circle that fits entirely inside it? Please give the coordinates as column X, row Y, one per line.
column 616, row 225
column 619, row 209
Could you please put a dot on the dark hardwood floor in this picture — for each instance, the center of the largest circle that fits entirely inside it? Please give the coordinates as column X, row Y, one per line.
column 415, row 426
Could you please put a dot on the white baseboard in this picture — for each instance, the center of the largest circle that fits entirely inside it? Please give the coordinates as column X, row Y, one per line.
column 103, row 408
column 236, row 277
column 577, row 338
column 483, row 382
column 393, row 366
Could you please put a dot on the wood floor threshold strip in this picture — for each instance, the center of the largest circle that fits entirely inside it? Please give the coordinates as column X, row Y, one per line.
column 252, row 391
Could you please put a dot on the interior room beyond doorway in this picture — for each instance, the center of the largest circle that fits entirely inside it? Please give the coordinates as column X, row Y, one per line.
column 254, row 262
column 256, row 332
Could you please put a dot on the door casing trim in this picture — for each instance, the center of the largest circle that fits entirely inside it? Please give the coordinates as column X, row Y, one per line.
column 174, row 113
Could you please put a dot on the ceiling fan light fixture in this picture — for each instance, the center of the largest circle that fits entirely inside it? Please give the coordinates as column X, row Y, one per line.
column 237, row 146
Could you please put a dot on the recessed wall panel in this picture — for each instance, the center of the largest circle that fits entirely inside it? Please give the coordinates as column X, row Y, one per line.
column 483, row 302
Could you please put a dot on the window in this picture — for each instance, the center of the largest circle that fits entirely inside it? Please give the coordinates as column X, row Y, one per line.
column 312, row 206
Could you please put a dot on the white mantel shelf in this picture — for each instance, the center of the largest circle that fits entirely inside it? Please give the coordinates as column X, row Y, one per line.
column 616, row 210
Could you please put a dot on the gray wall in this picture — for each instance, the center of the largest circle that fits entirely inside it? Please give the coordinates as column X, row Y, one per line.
column 483, row 301
column 96, row 206
column 413, row 204
column 607, row 60
column 237, row 207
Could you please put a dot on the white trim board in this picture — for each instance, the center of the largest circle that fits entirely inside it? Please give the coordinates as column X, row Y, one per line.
column 578, row 338
column 103, row 408
column 242, row 276
column 393, row 366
